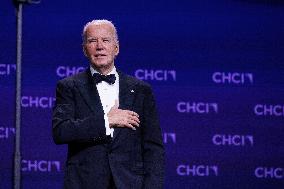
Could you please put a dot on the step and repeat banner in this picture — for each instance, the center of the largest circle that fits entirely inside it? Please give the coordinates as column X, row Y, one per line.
column 216, row 67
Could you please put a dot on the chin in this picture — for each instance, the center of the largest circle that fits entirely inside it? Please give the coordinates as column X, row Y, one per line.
column 102, row 65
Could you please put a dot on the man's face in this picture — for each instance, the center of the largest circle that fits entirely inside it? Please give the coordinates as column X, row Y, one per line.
column 100, row 46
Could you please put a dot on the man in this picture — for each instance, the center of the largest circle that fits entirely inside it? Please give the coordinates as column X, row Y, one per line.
column 109, row 121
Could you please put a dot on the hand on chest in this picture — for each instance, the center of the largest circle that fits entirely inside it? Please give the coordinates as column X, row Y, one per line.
column 108, row 94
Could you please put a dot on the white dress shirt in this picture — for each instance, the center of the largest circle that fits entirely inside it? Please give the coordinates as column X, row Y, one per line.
column 108, row 94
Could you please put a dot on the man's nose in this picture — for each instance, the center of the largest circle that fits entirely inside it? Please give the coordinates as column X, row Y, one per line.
column 99, row 45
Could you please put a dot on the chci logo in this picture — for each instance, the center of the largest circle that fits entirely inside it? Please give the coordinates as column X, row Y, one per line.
column 232, row 140
column 232, row 78
column 65, row 71
column 169, row 138
column 7, row 69
column 269, row 172
column 6, row 132
column 156, row 75
column 269, row 110
column 197, row 107
column 41, row 166
column 37, row 101
column 197, row 170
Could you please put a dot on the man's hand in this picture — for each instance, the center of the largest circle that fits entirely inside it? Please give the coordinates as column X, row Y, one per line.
column 122, row 118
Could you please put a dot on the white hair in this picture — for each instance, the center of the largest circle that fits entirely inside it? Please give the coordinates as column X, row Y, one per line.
column 99, row 22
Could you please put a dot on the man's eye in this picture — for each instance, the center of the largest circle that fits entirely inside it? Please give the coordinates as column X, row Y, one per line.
column 92, row 40
column 106, row 40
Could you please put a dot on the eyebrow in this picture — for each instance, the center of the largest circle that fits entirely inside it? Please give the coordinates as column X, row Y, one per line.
column 99, row 37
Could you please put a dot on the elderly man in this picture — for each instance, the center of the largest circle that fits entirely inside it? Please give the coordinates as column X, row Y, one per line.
column 109, row 121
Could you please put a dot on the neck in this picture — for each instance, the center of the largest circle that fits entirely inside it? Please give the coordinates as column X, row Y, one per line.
column 104, row 70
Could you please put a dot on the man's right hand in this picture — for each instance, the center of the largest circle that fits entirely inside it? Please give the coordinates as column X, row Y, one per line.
column 122, row 118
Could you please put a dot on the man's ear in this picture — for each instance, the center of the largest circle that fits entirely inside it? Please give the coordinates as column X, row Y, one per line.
column 117, row 49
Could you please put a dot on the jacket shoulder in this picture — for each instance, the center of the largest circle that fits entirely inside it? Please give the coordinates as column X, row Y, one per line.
column 144, row 86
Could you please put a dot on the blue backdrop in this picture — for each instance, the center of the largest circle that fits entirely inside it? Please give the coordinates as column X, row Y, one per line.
column 217, row 69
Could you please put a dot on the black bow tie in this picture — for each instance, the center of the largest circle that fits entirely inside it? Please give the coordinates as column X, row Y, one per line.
column 107, row 78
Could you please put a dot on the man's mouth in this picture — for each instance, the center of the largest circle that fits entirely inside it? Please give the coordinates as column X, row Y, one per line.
column 99, row 55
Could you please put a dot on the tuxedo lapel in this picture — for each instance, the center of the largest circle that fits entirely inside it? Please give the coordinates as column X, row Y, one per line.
column 126, row 92
column 89, row 92
column 126, row 96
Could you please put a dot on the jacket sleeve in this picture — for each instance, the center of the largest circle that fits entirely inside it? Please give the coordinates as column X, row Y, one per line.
column 65, row 128
column 153, row 149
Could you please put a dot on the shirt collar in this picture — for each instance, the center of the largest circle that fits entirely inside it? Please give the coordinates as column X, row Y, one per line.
column 113, row 71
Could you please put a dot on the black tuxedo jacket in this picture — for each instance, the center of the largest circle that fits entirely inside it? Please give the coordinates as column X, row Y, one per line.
column 131, row 159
